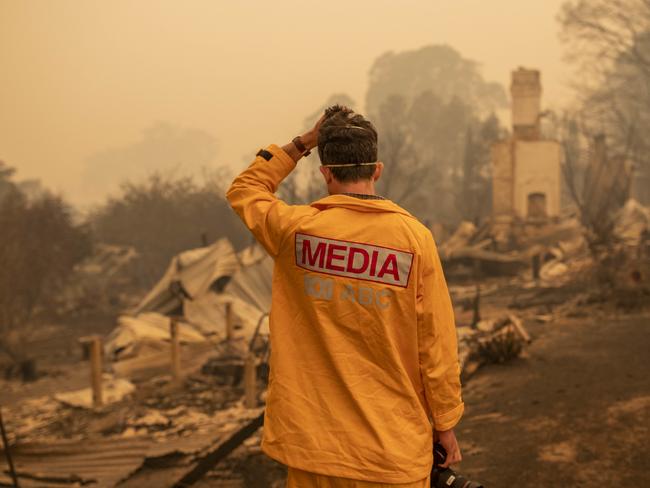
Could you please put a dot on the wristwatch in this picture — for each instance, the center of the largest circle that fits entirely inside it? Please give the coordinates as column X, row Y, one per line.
column 300, row 146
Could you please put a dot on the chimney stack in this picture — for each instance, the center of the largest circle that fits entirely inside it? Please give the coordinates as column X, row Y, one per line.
column 526, row 91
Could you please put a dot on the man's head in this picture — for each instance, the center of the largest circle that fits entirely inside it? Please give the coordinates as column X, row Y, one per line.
column 347, row 142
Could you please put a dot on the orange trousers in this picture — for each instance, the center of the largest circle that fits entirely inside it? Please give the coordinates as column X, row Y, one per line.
column 298, row 478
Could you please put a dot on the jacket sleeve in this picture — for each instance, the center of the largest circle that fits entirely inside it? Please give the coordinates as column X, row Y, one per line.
column 437, row 342
column 251, row 195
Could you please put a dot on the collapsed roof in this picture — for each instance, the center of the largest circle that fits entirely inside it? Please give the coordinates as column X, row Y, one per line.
column 201, row 287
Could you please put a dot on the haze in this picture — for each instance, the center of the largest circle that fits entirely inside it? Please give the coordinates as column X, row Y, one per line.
column 80, row 78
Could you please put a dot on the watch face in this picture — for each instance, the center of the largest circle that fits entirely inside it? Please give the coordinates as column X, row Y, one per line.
column 298, row 143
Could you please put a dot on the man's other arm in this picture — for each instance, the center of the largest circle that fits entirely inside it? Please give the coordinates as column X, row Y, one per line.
column 438, row 346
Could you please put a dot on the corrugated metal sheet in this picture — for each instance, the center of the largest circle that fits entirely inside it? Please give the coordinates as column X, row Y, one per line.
column 104, row 462
column 252, row 283
column 195, row 270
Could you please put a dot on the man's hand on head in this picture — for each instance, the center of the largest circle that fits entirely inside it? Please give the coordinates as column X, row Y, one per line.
column 309, row 139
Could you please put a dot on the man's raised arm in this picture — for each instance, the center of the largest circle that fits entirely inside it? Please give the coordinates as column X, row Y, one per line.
column 251, row 194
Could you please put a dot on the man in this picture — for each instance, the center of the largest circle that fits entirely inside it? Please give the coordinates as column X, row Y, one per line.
column 364, row 365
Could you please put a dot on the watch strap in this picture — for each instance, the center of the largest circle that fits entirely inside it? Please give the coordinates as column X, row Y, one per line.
column 300, row 146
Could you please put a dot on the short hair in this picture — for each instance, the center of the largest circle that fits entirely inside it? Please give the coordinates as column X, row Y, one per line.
column 347, row 137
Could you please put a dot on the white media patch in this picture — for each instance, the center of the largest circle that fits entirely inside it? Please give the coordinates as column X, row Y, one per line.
column 353, row 260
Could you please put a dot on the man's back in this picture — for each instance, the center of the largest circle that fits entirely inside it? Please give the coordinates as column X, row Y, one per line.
column 362, row 335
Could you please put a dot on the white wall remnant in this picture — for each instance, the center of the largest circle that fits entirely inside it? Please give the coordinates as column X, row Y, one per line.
column 526, row 169
column 537, row 171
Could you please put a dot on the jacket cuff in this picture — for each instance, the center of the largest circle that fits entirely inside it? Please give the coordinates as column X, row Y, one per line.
column 284, row 158
column 448, row 419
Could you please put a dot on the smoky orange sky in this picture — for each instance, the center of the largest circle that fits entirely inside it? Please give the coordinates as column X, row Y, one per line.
column 80, row 77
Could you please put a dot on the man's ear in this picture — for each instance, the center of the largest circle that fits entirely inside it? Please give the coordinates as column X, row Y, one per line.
column 327, row 174
column 379, row 169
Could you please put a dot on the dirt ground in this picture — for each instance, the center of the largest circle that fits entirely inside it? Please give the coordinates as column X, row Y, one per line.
column 575, row 411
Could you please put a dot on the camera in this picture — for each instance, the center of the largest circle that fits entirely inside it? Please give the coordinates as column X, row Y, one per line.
column 446, row 477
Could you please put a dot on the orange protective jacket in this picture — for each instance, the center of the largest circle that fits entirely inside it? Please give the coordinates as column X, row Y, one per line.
column 364, row 359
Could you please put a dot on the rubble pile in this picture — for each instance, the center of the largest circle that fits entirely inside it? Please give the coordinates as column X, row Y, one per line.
column 174, row 371
column 490, row 341
column 470, row 251
column 157, row 409
column 548, row 271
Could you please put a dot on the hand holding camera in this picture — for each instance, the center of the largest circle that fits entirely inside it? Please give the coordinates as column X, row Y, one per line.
column 444, row 477
column 447, row 439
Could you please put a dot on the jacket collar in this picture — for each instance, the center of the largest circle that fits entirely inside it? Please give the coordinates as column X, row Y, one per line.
column 358, row 204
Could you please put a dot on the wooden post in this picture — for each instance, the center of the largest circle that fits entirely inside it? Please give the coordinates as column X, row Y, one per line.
column 175, row 350
column 96, row 360
column 5, row 443
column 250, row 382
column 230, row 326
column 536, row 265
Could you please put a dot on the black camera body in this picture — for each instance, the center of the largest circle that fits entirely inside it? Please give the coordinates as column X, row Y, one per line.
column 446, row 477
